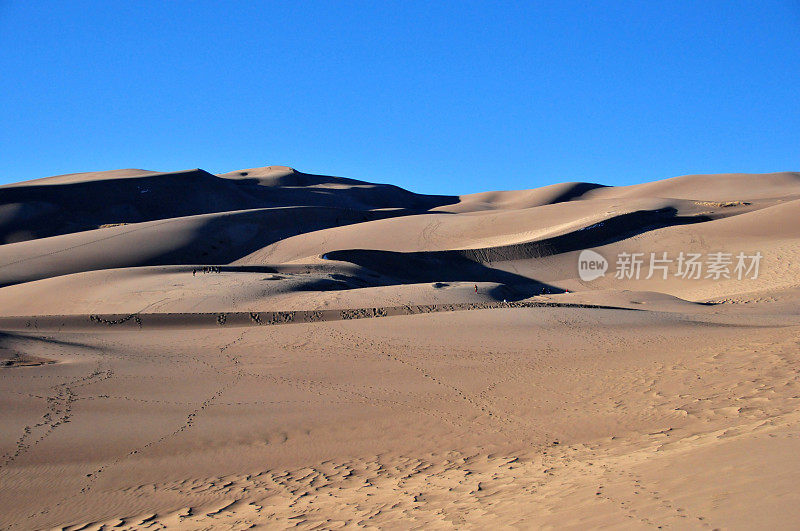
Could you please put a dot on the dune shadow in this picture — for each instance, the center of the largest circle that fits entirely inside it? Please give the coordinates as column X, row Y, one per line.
column 611, row 230
column 575, row 191
column 442, row 267
column 8, row 338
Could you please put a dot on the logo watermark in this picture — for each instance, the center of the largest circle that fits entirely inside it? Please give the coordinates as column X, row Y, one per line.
column 691, row 266
column 591, row 265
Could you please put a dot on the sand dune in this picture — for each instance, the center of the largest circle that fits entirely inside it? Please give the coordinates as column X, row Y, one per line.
column 272, row 348
column 729, row 187
column 67, row 204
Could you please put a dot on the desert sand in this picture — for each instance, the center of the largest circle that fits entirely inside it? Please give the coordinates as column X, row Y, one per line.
column 272, row 348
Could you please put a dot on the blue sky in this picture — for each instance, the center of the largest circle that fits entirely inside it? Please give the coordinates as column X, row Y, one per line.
column 437, row 97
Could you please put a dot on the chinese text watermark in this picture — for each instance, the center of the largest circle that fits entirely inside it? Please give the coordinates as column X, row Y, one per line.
column 635, row 266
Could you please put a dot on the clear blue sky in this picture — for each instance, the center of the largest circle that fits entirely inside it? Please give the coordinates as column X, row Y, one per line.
column 444, row 97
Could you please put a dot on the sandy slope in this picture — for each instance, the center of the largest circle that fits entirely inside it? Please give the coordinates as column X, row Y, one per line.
column 360, row 355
